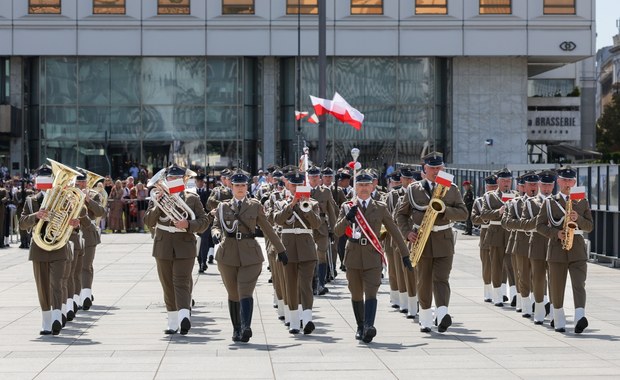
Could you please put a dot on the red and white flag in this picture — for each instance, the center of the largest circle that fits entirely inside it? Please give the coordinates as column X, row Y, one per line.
column 176, row 185
column 346, row 113
column 299, row 115
column 507, row 197
column 314, row 119
column 321, row 106
column 43, row 183
column 444, row 179
column 578, row 193
column 302, row 191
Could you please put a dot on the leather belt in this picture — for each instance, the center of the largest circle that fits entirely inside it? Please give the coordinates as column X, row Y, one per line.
column 171, row 229
column 495, row 222
column 483, row 226
column 296, row 231
column 437, row 228
column 578, row 232
column 239, row 235
column 360, row 241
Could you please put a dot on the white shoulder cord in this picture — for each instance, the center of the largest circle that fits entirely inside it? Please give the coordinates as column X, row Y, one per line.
column 235, row 223
column 528, row 203
column 551, row 220
column 412, row 201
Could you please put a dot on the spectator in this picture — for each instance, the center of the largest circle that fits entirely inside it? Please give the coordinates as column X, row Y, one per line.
column 115, row 201
column 468, row 198
column 141, row 194
column 134, row 170
column 255, row 185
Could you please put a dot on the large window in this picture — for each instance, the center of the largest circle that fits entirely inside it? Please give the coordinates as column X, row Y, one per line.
column 559, row 7
column 495, row 7
column 366, row 7
column 305, row 7
column 234, row 7
column 44, row 6
column 109, row 7
column 431, row 7
column 173, row 7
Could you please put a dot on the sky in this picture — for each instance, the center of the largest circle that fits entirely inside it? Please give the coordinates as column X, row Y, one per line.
column 607, row 12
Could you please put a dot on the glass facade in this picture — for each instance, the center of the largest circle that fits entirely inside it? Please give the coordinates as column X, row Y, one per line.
column 104, row 113
column 550, row 87
column 403, row 100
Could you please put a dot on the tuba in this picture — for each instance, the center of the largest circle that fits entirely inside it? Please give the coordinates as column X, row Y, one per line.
column 170, row 204
column 435, row 207
column 569, row 227
column 63, row 203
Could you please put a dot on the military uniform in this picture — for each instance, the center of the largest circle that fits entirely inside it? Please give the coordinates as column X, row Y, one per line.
column 433, row 269
column 277, row 269
column 396, row 273
column 364, row 263
column 549, row 222
column 174, row 250
column 485, row 252
column 339, row 198
column 48, row 266
column 239, row 257
column 297, row 236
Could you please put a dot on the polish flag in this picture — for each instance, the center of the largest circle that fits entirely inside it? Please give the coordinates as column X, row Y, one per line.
column 321, row 106
column 444, row 179
column 507, row 196
column 300, row 115
column 43, row 183
column 350, row 115
column 302, row 191
column 578, row 193
column 175, row 186
column 314, row 119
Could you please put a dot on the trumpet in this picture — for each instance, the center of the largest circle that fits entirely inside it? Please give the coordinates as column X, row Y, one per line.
column 305, row 206
column 170, row 204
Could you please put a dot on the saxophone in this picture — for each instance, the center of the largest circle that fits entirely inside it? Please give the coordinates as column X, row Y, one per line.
column 568, row 227
column 63, row 203
column 435, row 207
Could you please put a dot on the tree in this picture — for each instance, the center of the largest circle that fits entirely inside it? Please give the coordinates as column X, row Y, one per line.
column 608, row 128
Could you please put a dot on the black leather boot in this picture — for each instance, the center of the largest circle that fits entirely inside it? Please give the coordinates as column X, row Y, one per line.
column 370, row 310
column 235, row 317
column 247, row 306
column 358, row 311
column 322, row 279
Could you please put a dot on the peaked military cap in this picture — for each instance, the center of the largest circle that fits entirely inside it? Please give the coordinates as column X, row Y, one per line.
column 289, row 168
column 520, row 180
column 277, row 174
column 225, row 173
column 344, row 174
column 567, row 172
column 239, row 177
column 44, row 171
column 417, row 175
column 200, row 177
column 272, row 168
column 406, row 172
column 490, row 180
column 530, row 177
column 327, row 171
column 373, row 173
column 314, row 171
column 395, row 176
column 175, row 170
column 503, row 173
column 363, row 176
column 296, row 177
column 433, row 159
column 82, row 176
column 547, row 176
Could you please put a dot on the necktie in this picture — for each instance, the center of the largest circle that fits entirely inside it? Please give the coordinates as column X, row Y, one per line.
column 238, row 205
column 364, row 206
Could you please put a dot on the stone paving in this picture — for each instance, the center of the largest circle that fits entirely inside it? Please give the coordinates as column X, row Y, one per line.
column 121, row 337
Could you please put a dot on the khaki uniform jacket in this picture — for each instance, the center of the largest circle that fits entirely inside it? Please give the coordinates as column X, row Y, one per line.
column 496, row 235
column 338, row 195
column 90, row 232
column 219, row 194
column 177, row 245
column 476, row 218
column 537, row 242
column 552, row 209
column 364, row 257
column 327, row 209
column 28, row 220
column 304, row 243
column 272, row 198
column 412, row 209
column 245, row 251
column 519, row 243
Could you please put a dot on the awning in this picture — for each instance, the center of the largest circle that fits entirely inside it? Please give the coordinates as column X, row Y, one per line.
column 573, row 152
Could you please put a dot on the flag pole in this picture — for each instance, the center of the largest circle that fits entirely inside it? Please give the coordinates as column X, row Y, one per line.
column 298, row 79
column 322, row 77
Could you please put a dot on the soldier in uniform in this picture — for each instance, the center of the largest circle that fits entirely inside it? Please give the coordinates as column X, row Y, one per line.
column 25, row 192
column 364, row 257
column 497, row 237
column 490, row 184
column 344, row 178
column 433, row 269
column 537, row 242
column 297, row 236
column 221, row 193
column 206, row 244
column 239, row 257
column 396, row 274
column 92, row 237
column 520, row 252
column 550, row 223
column 327, row 178
column 468, row 198
column 325, row 233
column 174, row 249
column 48, row 266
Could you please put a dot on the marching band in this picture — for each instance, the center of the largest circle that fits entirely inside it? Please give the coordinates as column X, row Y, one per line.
column 311, row 217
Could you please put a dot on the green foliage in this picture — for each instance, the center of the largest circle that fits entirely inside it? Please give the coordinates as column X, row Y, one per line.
column 608, row 128
column 575, row 93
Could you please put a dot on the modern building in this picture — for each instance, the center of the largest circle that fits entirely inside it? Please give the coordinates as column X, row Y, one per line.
column 608, row 74
column 213, row 83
